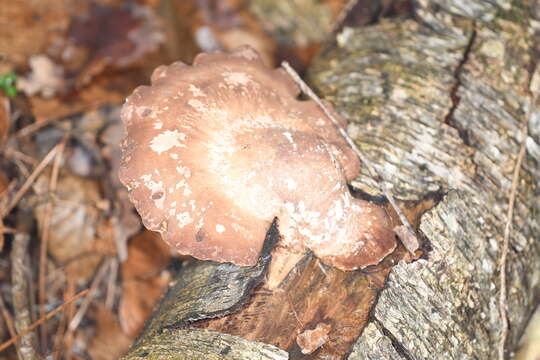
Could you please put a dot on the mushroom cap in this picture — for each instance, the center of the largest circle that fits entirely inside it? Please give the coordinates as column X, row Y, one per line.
column 215, row 151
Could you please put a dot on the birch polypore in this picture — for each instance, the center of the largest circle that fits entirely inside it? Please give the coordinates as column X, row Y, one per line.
column 215, row 151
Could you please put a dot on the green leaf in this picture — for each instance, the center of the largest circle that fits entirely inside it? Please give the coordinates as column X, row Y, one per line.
column 7, row 84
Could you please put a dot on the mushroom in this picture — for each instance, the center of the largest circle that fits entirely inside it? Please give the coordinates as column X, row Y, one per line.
column 216, row 151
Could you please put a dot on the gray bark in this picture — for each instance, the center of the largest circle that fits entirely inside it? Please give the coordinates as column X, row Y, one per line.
column 437, row 103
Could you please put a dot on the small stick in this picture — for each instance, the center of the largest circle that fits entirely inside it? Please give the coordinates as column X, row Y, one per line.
column 16, row 154
column 45, row 239
column 9, row 324
column 30, row 180
column 68, row 338
column 35, row 126
column 410, row 234
column 533, row 99
column 74, row 323
column 343, row 14
column 21, row 304
column 41, row 320
column 111, row 284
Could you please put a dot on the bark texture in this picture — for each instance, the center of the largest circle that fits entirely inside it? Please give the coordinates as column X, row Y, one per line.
column 437, row 103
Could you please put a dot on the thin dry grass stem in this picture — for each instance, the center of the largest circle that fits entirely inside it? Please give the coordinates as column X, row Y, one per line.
column 342, row 15
column 6, row 230
column 45, row 239
column 74, row 323
column 409, row 232
column 69, row 292
column 503, row 306
column 111, row 284
column 41, row 320
column 35, row 126
column 30, row 180
column 9, row 324
column 20, row 264
column 69, row 337
column 16, row 154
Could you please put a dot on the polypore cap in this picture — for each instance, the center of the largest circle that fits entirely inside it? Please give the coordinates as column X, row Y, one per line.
column 215, row 151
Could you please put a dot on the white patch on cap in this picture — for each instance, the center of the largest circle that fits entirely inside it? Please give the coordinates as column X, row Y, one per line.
column 197, row 105
column 167, row 140
column 291, row 184
column 236, row 78
column 195, row 90
column 184, row 219
column 220, row 228
column 184, row 171
column 289, row 137
column 158, row 125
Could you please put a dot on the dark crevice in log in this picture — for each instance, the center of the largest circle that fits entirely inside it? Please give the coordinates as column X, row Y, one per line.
column 395, row 342
column 449, row 118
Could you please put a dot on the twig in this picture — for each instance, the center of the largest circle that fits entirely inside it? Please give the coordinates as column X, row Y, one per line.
column 35, row 126
column 16, row 154
column 64, row 320
column 9, row 324
column 41, row 320
column 111, row 285
column 343, row 15
column 74, row 323
column 503, row 311
column 45, row 239
column 19, row 268
column 30, row 180
column 69, row 337
column 365, row 161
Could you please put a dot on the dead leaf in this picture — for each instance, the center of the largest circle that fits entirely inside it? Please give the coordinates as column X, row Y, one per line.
column 30, row 27
column 110, row 89
column 113, row 36
column 232, row 25
column 74, row 217
column 124, row 220
column 144, row 279
column 4, row 119
column 4, row 186
column 109, row 342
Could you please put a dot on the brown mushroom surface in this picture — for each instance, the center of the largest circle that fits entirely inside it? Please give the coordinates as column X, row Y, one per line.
column 215, row 151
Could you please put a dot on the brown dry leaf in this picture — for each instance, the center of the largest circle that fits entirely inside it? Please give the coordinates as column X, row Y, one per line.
column 233, row 26
column 111, row 36
column 179, row 18
column 124, row 221
column 110, row 89
column 74, row 217
column 109, row 342
column 4, row 186
column 144, row 279
column 30, row 27
column 4, row 119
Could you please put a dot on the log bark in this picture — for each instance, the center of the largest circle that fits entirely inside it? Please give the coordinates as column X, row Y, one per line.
column 437, row 103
